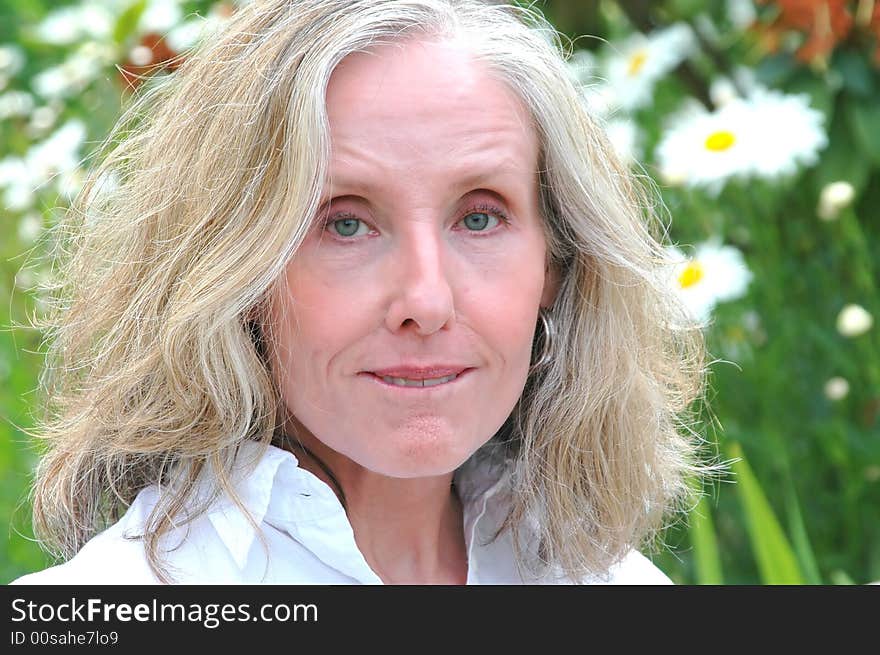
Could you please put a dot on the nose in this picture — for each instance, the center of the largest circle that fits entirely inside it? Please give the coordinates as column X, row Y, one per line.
column 423, row 297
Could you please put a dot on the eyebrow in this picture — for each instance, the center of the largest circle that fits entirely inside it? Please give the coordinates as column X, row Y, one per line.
column 478, row 178
column 465, row 177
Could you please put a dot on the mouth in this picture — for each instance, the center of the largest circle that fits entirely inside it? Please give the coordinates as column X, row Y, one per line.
column 417, row 383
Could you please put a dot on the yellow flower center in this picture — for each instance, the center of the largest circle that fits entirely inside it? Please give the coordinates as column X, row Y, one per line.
column 637, row 61
column 691, row 274
column 720, row 141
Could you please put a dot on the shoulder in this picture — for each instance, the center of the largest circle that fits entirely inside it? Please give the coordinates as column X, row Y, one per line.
column 218, row 544
column 635, row 569
column 114, row 556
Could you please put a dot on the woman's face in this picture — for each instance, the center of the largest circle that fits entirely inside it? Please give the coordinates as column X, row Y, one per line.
column 404, row 334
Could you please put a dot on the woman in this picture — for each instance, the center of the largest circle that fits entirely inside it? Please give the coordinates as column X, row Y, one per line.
column 364, row 297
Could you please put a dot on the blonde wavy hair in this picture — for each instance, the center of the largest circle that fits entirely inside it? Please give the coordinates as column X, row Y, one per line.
column 205, row 189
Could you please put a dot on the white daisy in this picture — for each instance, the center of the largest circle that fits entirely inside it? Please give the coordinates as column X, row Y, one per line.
column 716, row 273
column 704, row 149
column 96, row 19
column 73, row 23
column 583, row 66
column 584, row 69
column 741, row 13
column 767, row 135
column 15, row 179
column 641, row 60
column 15, row 103
column 29, row 227
column 11, row 60
column 60, row 81
column 188, row 33
column 160, row 16
column 76, row 73
column 790, row 132
column 58, row 153
column 42, row 118
column 600, row 99
column 57, row 158
column 625, row 139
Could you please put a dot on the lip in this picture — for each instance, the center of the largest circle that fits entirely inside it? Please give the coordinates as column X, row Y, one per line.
column 419, row 372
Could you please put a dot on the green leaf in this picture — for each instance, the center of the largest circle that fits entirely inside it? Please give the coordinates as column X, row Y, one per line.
column 128, row 21
column 820, row 92
column 707, row 559
column 774, row 70
column 838, row 162
column 686, row 9
column 855, row 69
column 801, row 539
column 839, row 577
column 864, row 120
column 774, row 556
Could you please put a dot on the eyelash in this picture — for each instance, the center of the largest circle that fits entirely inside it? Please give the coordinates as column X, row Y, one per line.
column 476, row 209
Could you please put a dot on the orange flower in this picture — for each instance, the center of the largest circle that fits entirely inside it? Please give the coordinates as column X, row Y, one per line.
column 825, row 23
column 874, row 28
column 150, row 56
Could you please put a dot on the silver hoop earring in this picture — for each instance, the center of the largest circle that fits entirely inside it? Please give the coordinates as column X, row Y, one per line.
column 547, row 344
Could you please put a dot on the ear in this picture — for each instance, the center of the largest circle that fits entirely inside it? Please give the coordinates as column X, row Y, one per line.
column 551, row 285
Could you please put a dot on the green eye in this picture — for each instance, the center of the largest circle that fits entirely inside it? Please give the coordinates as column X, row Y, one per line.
column 479, row 221
column 347, row 227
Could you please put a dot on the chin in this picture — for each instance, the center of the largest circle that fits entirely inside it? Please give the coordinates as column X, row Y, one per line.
column 423, row 453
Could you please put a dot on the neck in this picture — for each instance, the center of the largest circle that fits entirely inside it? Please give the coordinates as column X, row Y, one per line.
column 409, row 530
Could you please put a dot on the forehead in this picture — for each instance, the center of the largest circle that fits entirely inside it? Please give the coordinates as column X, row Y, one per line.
column 426, row 102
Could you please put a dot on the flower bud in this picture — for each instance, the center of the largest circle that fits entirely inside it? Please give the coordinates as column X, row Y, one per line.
column 836, row 388
column 722, row 92
column 834, row 198
column 854, row 320
column 141, row 55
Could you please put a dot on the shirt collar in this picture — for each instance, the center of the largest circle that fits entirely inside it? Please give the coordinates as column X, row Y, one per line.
column 273, row 488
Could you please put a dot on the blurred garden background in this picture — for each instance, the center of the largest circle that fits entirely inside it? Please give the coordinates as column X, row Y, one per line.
column 758, row 124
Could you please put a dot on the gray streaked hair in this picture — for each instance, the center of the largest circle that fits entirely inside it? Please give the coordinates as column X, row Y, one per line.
column 204, row 191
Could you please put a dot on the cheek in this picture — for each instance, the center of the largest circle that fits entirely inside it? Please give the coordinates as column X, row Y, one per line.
column 313, row 320
column 507, row 322
column 504, row 299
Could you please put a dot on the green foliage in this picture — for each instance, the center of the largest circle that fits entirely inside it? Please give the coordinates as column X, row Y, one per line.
column 707, row 558
column 776, row 560
column 803, row 507
column 128, row 21
column 864, row 117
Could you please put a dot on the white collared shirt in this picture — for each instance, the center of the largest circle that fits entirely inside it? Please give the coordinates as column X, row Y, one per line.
column 307, row 538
